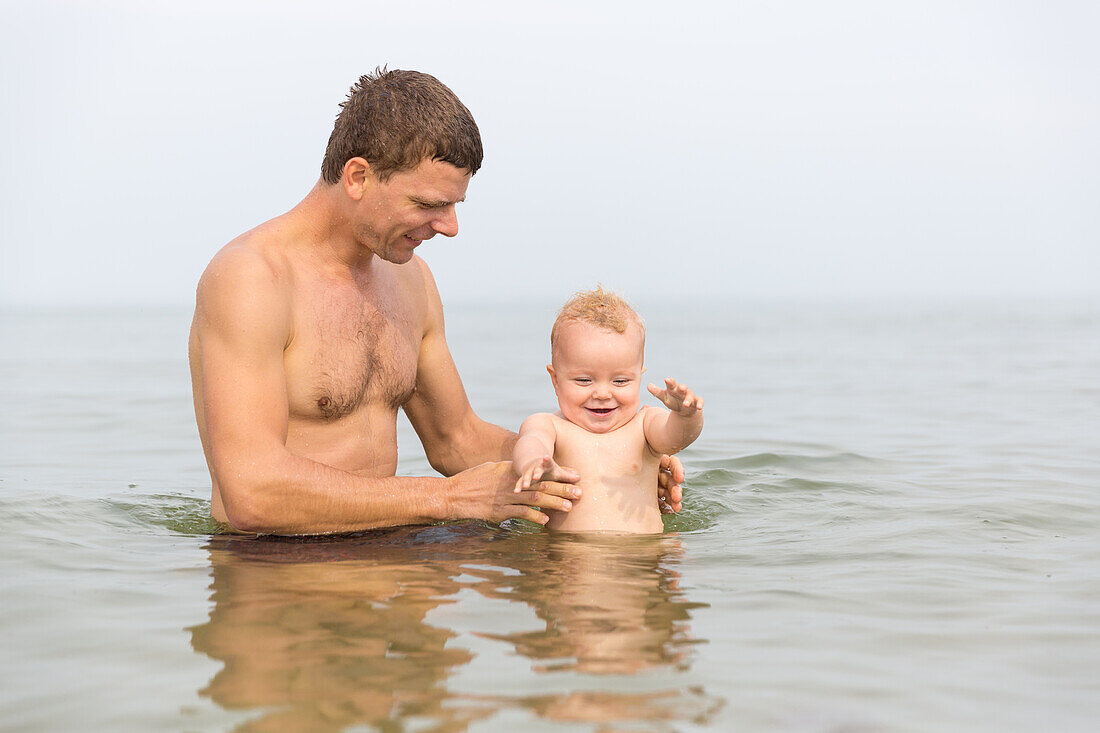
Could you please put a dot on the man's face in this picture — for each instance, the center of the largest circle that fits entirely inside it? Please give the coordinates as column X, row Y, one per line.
column 394, row 216
column 597, row 375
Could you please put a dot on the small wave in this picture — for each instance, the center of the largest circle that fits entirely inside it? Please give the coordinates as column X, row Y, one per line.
column 177, row 513
column 844, row 460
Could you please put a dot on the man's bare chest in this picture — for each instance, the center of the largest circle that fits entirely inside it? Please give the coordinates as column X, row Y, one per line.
column 349, row 353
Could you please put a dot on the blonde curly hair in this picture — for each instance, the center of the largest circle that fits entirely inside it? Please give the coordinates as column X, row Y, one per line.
column 598, row 307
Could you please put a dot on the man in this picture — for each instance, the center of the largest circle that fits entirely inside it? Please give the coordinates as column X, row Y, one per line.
column 312, row 329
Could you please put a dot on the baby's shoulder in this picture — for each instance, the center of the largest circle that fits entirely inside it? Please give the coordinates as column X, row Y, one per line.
column 539, row 421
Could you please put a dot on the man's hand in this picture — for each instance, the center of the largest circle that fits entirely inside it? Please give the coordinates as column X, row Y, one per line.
column 488, row 492
column 677, row 398
column 670, row 493
column 545, row 469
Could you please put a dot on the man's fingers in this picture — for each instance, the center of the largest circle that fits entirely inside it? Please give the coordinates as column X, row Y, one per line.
column 560, row 488
column 670, row 493
column 545, row 500
column 670, row 496
column 673, row 467
column 667, row 508
column 675, row 495
column 526, row 512
column 563, row 474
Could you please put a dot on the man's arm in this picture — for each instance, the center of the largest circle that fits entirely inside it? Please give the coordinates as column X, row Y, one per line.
column 243, row 325
column 454, row 437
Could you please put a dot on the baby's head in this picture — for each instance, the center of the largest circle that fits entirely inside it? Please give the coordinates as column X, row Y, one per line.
column 596, row 350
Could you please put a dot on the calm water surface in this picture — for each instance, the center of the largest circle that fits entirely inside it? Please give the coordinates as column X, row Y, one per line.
column 892, row 523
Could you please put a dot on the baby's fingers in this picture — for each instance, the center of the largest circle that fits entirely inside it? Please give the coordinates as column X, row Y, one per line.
column 679, row 392
column 667, row 398
column 533, row 473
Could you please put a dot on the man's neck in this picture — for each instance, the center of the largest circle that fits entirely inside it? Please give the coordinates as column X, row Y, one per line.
column 327, row 233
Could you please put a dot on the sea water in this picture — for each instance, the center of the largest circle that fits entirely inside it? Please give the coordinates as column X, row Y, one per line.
column 891, row 523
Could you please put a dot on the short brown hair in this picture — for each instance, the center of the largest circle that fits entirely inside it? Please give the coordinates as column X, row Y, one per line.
column 600, row 308
column 395, row 119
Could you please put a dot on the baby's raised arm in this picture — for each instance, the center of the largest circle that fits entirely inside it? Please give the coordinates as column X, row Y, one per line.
column 533, row 456
column 671, row 432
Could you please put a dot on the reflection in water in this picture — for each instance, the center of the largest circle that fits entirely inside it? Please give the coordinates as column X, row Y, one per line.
column 325, row 633
column 607, row 603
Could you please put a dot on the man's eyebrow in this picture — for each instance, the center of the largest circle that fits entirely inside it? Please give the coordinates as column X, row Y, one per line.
column 434, row 202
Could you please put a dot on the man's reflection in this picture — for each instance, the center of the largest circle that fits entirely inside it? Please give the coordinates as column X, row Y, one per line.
column 323, row 633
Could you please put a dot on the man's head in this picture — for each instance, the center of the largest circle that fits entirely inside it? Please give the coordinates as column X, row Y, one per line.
column 403, row 150
column 597, row 346
column 396, row 119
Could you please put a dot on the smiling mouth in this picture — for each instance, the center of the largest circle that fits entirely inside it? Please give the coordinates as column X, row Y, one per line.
column 601, row 410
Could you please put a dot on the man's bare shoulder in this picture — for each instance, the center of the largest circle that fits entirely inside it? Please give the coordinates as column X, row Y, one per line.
column 419, row 290
column 417, row 276
column 247, row 280
column 253, row 257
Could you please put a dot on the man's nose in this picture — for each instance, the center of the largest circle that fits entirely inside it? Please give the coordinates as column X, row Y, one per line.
column 447, row 223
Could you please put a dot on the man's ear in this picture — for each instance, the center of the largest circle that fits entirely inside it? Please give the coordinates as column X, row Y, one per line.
column 357, row 178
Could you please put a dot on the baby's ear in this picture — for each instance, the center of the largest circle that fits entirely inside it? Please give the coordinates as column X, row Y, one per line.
column 643, row 370
column 550, row 371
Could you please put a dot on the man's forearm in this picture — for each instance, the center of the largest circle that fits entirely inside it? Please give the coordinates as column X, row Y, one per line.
column 478, row 442
column 295, row 495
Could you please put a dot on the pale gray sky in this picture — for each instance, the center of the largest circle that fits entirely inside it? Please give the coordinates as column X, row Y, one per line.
column 787, row 149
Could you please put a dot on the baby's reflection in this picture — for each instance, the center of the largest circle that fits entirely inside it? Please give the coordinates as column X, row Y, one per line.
column 611, row 603
column 322, row 634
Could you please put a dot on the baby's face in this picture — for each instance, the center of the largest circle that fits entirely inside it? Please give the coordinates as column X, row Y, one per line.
column 597, row 375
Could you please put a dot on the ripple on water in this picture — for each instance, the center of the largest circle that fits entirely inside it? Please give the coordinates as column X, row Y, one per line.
column 180, row 514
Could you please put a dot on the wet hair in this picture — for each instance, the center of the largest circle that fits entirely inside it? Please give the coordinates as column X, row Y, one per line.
column 600, row 308
column 394, row 120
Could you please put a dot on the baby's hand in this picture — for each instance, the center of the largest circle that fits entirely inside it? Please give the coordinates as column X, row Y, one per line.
column 543, row 468
column 678, row 398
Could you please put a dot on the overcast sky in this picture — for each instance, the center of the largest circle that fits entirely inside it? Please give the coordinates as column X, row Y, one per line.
column 706, row 149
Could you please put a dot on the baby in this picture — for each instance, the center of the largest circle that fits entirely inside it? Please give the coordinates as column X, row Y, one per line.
column 599, row 431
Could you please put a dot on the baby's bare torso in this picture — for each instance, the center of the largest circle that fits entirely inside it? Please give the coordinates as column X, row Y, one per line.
column 618, row 478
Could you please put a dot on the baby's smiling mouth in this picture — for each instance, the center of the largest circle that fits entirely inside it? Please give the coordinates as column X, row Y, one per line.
column 600, row 410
